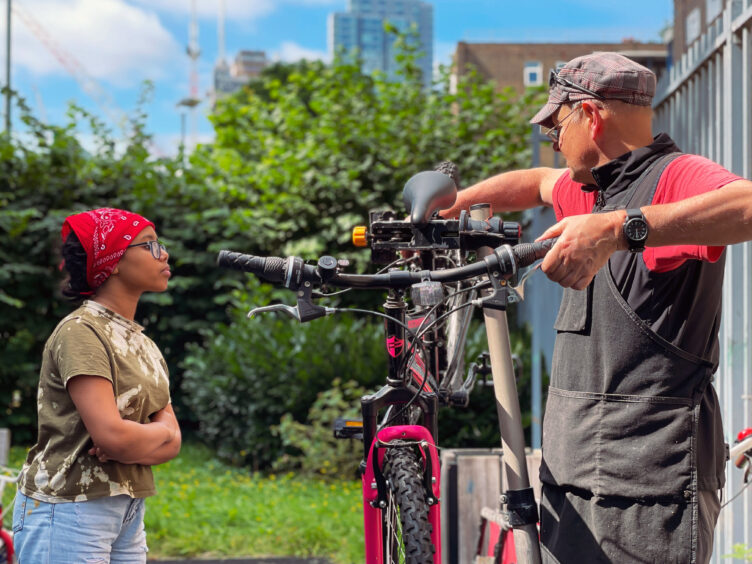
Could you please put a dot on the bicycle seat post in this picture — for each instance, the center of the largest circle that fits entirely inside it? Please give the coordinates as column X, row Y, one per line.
column 516, row 477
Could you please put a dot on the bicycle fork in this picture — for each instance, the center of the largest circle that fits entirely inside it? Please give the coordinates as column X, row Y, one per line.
column 375, row 487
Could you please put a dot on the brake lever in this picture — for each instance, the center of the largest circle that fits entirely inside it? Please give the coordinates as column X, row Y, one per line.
column 290, row 311
column 306, row 313
column 518, row 291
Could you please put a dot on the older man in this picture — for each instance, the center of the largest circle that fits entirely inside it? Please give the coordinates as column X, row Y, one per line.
column 633, row 450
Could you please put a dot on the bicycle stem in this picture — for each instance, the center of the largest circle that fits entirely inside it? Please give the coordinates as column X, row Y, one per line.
column 516, row 479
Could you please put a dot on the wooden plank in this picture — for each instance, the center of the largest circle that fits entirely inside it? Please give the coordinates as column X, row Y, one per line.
column 471, row 479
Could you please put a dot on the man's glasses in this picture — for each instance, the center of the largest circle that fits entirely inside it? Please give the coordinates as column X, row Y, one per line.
column 553, row 132
column 554, row 79
column 155, row 247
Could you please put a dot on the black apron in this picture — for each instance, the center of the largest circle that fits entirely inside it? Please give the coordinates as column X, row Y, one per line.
column 623, row 418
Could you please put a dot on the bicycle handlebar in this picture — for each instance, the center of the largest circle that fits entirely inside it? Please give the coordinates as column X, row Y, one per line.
column 293, row 273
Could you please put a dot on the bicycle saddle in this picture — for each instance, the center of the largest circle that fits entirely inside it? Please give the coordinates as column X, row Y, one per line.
column 426, row 193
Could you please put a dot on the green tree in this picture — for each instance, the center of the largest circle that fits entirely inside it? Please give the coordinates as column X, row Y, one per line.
column 300, row 157
column 307, row 150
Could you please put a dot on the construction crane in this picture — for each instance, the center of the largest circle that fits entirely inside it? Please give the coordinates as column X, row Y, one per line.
column 193, row 52
column 87, row 83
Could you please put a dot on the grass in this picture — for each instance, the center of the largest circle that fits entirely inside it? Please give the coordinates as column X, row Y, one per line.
column 205, row 509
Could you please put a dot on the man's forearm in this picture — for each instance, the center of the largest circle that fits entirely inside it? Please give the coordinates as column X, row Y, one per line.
column 509, row 191
column 720, row 217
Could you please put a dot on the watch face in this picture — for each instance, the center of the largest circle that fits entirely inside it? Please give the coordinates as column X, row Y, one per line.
column 636, row 230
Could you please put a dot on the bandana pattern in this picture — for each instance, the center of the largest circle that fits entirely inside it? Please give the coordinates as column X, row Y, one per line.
column 105, row 233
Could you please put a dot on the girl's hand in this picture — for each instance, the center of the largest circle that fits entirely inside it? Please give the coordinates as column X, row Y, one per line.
column 99, row 453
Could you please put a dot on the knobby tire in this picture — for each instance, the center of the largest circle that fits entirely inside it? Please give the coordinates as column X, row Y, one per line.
column 407, row 531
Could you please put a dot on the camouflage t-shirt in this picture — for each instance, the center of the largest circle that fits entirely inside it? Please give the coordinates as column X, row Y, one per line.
column 98, row 342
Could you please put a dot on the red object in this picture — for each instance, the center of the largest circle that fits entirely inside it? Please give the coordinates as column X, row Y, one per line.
column 372, row 515
column 104, row 233
column 508, row 555
column 744, row 434
column 687, row 176
column 6, row 538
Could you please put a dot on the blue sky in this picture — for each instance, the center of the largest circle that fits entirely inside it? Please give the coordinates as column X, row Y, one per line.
column 117, row 44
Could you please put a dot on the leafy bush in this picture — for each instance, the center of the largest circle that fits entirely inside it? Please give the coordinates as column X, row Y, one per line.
column 300, row 156
column 250, row 373
column 477, row 426
column 317, row 452
column 45, row 175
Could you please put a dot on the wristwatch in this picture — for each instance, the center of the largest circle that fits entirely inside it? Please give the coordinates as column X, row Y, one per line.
column 635, row 230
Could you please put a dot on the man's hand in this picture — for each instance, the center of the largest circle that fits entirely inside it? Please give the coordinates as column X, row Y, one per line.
column 585, row 244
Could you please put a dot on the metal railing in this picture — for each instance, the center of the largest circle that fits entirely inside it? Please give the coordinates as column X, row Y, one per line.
column 705, row 103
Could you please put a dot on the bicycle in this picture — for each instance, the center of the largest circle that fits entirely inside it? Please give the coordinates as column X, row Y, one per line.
column 741, row 455
column 7, row 476
column 400, row 466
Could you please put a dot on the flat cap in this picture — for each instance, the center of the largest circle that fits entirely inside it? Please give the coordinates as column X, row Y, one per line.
column 604, row 76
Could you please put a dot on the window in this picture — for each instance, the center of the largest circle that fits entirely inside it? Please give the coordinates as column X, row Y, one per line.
column 692, row 26
column 532, row 73
column 713, row 10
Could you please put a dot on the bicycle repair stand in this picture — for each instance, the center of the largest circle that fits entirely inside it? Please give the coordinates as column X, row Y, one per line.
column 521, row 510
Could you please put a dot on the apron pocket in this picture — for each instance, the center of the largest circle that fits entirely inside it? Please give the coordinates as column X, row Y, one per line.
column 617, row 445
column 575, row 309
column 645, row 447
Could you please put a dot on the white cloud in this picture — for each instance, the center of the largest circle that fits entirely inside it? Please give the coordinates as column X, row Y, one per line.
column 290, row 52
column 110, row 39
column 167, row 144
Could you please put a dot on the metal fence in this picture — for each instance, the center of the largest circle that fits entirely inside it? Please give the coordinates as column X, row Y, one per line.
column 705, row 103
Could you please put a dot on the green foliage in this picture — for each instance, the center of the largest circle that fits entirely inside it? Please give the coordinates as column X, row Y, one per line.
column 46, row 174
column 477, row 425
column 207, row 510
column 309, row 151
column 250, row 373
column 740, row 552
column 300, row 157
column 318, row 452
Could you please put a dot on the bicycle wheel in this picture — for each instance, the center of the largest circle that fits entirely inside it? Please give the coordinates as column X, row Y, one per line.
column 406, row 529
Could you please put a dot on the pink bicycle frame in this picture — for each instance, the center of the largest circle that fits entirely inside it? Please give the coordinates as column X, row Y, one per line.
column 372, row 515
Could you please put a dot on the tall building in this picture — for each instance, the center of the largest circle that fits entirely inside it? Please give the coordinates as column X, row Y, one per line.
column 361, row 29
column 229, row 78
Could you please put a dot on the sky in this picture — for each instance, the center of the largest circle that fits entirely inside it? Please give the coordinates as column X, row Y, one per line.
column 113, row 46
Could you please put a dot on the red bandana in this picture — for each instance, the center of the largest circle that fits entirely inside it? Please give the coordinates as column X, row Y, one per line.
column 104, row 234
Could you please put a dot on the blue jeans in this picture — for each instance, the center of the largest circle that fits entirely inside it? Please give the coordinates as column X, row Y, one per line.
column 108, row 530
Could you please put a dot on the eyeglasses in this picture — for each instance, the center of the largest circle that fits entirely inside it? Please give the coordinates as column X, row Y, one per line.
column 553, row 132
column 155, row 247
column 554, row 79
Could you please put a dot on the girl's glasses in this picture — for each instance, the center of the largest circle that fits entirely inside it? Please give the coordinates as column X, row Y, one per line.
column 155, row 247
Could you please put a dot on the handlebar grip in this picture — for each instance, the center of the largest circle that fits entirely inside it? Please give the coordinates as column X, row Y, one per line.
column 269, row 268
column 527, row 253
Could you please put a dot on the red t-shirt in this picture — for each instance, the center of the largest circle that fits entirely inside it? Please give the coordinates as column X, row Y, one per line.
column 684, row 177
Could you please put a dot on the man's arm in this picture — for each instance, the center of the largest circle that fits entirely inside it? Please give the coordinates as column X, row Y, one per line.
column 509, row 191
column 720, row 217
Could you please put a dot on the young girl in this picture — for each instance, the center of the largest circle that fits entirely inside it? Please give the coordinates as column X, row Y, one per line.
column 103, row 402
